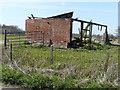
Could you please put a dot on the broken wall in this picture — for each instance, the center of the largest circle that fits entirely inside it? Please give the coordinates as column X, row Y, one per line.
column 58, row 30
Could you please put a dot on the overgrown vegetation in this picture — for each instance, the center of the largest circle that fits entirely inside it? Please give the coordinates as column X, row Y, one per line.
column 71, row 68
column 95, row 46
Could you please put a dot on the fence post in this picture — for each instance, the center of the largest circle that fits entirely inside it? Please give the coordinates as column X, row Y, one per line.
column 11, row 52
column 5, row 35
column 19, row 37
column 51, row 54
column 90, row 33
column 106, row 63
column 43, row 39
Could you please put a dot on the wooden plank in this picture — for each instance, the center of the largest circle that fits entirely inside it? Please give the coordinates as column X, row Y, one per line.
column 89, row 22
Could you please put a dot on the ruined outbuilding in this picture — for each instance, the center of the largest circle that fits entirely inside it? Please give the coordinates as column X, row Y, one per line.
column 58, row 29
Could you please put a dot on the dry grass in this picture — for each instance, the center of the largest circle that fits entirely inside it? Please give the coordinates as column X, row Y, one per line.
column 82, row 66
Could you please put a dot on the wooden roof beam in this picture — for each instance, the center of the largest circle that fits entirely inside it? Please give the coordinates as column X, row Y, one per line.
column 88, row 22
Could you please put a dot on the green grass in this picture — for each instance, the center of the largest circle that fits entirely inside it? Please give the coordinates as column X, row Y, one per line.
column 1, row 37
column 75, row 68
column 70, row 56
column 70, row 68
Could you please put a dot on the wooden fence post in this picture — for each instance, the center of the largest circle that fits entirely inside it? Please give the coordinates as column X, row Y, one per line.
column 51, row 54
column 11, row 52
column 90, row 33
column 43, row 39
column 5, row 37
column 106, row 63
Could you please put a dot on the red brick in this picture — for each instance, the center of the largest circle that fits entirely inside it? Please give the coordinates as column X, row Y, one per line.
column 59, row 29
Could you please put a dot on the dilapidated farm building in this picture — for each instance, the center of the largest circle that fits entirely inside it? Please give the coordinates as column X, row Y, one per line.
column 58, row 29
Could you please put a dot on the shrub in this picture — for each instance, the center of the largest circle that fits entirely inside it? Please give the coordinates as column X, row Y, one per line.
column 96, row 46
column 17, row 78
column 38, row 81
column 90, row 47
column 11, row 77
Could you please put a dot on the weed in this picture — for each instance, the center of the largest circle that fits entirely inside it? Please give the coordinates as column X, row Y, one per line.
column 78, row 68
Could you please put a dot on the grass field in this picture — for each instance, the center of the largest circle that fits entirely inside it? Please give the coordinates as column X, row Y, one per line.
column 1, row 36
column 75, row 68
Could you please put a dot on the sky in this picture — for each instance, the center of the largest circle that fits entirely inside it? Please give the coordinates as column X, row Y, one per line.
column 15, row 13
column 119, row 20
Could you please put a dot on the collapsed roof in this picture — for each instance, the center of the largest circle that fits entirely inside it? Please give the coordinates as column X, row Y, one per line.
column 65, row 15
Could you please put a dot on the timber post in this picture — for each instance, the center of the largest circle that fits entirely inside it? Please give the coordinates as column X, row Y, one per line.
column 51, row 54
column 81, row 36
column 90, row 33
column 106, row 37
column 106, row 63
column 43, row 38
column 5, row 38
column 11, row 52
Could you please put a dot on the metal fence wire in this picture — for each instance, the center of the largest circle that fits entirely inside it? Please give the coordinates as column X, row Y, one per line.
column 23, row 38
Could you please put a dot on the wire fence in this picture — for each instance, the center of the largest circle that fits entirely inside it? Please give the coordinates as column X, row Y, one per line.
column 13, row 41
column 23, row 39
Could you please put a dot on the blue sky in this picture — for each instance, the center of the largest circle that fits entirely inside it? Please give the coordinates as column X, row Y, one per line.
column 15, row 13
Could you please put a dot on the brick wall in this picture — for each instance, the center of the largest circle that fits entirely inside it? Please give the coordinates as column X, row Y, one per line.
column 58, row 30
